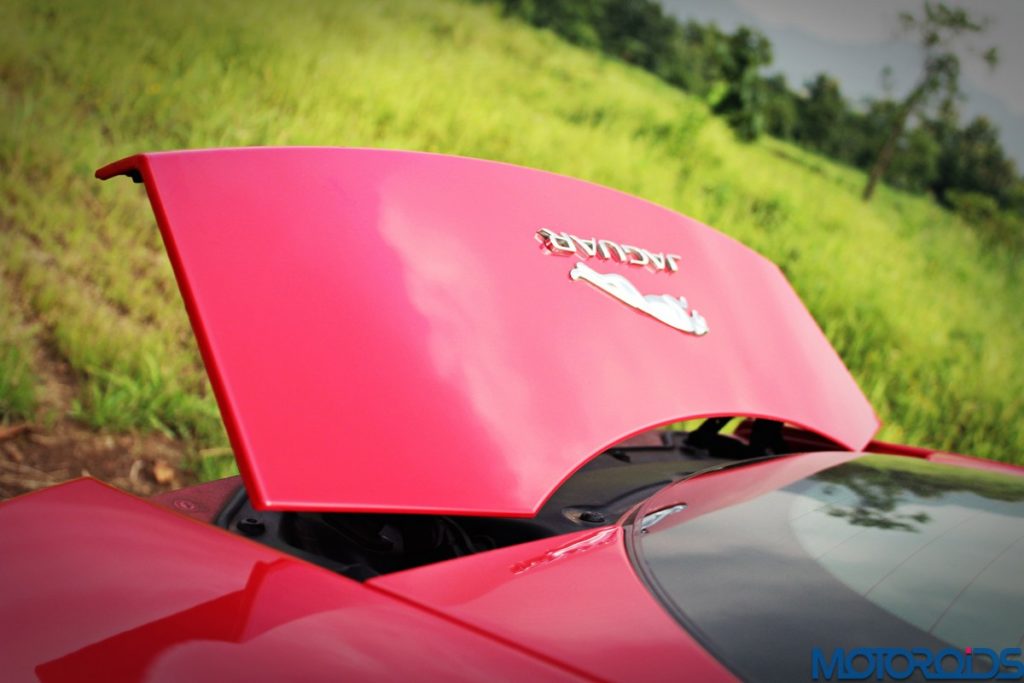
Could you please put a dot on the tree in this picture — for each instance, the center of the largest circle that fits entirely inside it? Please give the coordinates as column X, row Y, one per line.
column 823, row 114
column 575, row 21
column 916, row 163
column 973, row 160
column 700, row 53
column 936, row 31
column 638, row 32
column 744, row 98
column 781, row 116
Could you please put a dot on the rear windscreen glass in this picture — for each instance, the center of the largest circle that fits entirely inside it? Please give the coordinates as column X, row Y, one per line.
column 880, row 551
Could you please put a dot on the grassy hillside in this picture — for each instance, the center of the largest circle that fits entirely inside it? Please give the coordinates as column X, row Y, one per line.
column 925, row 316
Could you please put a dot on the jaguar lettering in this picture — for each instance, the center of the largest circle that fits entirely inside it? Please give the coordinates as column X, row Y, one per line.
column 565, row 244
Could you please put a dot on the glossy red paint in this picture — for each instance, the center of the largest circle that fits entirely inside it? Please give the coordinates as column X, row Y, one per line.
column 202, row 501
column 336, row 293
column 975, row 463
column 96, row 585
column 569, row 598
column 944, row 457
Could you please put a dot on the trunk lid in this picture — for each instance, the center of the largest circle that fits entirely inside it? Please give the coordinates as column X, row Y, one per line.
column 406, row 332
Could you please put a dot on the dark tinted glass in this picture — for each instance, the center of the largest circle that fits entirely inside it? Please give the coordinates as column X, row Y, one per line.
column 878, row 552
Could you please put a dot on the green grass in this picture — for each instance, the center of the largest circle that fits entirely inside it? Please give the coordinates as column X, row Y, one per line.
column 17, row 380
column 17, row 383
column 926, row 317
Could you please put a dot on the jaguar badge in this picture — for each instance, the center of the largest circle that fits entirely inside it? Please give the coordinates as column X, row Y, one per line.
column 671, row 310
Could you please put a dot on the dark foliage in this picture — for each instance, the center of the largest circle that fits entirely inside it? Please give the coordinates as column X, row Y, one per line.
column 883, row 491
column 926, row 151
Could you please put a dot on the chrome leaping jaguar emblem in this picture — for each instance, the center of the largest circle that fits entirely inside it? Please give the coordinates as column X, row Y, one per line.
column 671, row 310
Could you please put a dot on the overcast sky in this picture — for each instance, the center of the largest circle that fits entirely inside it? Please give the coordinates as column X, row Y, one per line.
column 854, row 39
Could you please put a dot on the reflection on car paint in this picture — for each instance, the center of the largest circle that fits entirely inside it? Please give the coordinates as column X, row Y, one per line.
column 595, row 540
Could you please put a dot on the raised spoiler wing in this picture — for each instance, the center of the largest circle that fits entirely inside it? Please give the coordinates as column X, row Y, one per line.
column 408, row 332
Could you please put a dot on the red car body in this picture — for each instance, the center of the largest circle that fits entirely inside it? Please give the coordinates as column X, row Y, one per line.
column 518, row 324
